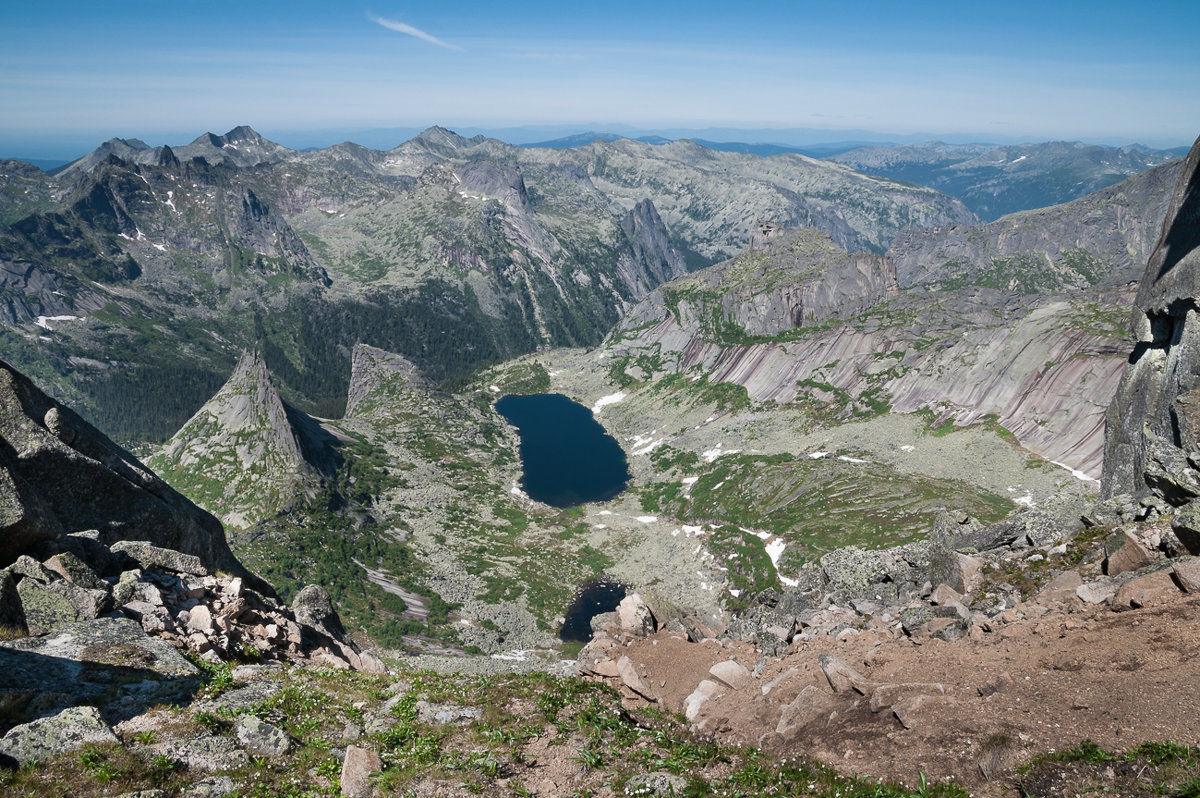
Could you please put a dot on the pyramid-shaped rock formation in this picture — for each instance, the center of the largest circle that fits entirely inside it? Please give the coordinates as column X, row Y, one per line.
column 239, row 456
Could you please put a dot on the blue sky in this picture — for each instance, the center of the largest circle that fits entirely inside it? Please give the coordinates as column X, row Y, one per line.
column 167, row 71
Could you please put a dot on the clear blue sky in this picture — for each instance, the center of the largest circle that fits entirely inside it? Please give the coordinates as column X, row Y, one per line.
column 168, row 70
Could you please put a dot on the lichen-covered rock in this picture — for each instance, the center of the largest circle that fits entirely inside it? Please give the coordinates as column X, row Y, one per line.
column 211, row 787
column 84, row 660
column 47, row 737
column 150, row 557
column 313, row 607
column 73, row 569
column 852, row 570
column 204, row 753
column 443, row 714
column 656, row 784
column 45, row 608
column 260, row 737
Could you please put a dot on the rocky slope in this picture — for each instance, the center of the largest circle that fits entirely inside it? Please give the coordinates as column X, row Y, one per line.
column 965, row 354
column 964, row 677
column 958, row 657
column 1102, row 239
column 1018, row 322
column 996, row 180
column 61, row 476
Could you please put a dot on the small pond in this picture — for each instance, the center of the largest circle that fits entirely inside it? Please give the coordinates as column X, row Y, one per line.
column 567, row 457
column 593, row 598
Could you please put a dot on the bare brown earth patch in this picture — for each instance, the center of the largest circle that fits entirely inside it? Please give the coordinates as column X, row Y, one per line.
column 972, row 709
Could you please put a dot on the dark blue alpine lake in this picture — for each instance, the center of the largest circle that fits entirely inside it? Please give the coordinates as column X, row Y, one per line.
column 567, row 456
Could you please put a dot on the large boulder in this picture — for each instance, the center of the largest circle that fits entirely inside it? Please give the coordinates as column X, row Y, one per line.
column 44, row 738
column 1153, row 440
column 60, row 475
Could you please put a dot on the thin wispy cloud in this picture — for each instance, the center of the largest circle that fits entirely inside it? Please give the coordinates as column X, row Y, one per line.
column 409, row 30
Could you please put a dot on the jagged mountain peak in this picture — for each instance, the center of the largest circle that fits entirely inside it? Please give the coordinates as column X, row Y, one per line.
column 239, row 456
column 243, row 133
column 240, row 135
column 444, row 141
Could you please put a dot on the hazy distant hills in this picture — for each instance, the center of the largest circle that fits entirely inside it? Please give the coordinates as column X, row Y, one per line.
column 997, row 180
column 991, row 180
column 131, row 281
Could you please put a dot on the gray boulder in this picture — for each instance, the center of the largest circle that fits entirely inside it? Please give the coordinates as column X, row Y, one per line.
column 44, row 738
column 313, row 607
column 47, row 607
column 260, row 737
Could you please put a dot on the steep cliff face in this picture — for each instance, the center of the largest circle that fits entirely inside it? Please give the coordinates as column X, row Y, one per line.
column 791, row 279
column 1154, row 421
column 653, row 259
column 59, row 475
column 376, row 374
column 240, row 455
column 793, row 320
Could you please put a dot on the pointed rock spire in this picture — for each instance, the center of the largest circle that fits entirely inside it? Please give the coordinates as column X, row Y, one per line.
column 239, row 455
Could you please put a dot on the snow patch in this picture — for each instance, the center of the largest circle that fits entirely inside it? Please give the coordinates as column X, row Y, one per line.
column 494, row 388
column 605, row 512
column 644, row 444
column 513, row 656
column 775, row 549
column 647, row 519
column 908, row 448
column 818, row 455
column 692, row 530
column 733, row 591
column 850, row 459
column 712, row 454
column 611, row 399
column 170, row 201
column 159, row 247
column 1076, row 472
column 1026, row 500
column 43, row 321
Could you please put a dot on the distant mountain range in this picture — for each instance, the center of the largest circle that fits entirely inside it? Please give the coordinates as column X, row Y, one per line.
column 997, row 180
column 141, row 271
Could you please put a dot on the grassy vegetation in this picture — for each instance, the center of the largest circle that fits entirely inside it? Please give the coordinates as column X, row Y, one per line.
column 817, row 505
column 1153, row 768
column 523, row 722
